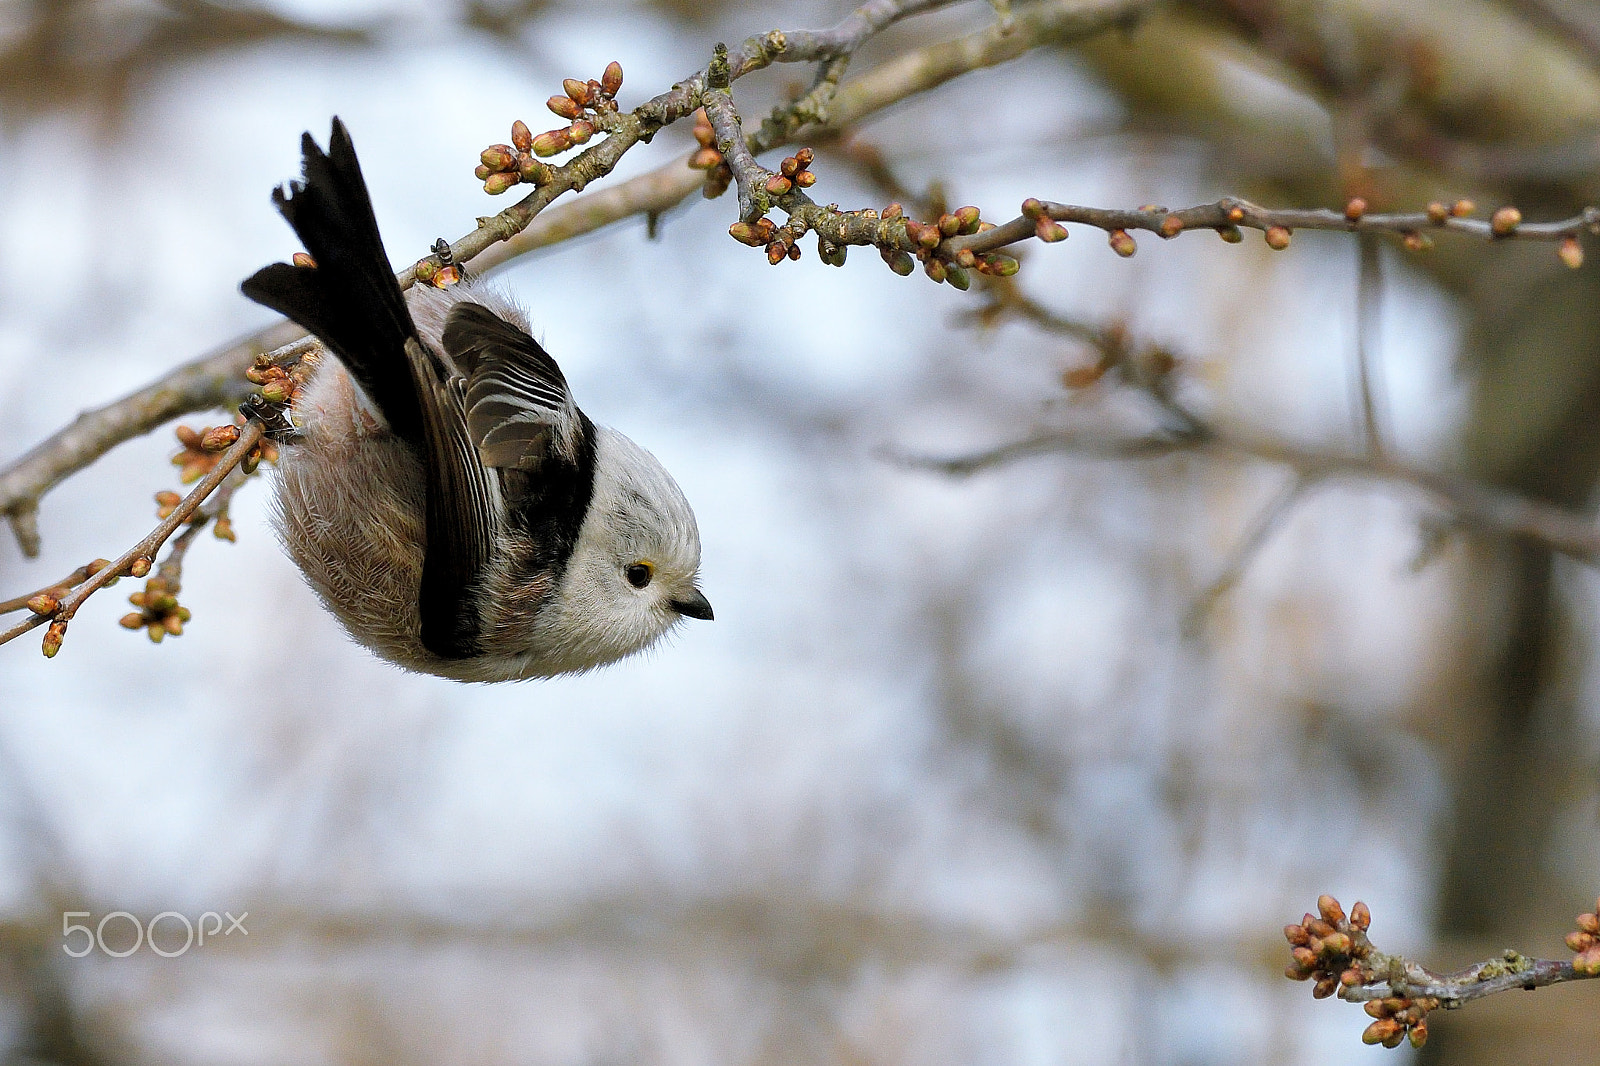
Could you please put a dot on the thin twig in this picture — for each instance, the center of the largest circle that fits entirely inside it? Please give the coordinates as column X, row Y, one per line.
column 213, row 380
column 82, row 573
column 1470, row 502
column 1232, row 211
column 1369, row 322
column 1334, row 951
column 1266, row 521
column 1512, row 971
column 145, row 551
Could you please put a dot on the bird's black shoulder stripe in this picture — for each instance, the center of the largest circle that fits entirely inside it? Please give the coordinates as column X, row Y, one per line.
column 549, row 508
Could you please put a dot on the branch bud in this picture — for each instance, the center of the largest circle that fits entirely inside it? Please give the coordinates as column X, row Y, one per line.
column 1380, row 1030
column 498, row 157
column 1571, row 253
column 551, row 142
column 1355, row 208
column 1438, row 213
column 899, row 262
column 705, row 159
column 1001, row 266
column 611, row 79
column 1278, row 237
column 521, row 136
column 577, row 90
column 1505, row 221
column 498, row 183
column 1049, row 230
column 745, row 233
column 969, row 219
column 1230, row 234
column 278, row 390
column 778, row 185
column 219, row 438
column 564, row 107
column 805, row 179
column 717, row 181
column 1121, row 243
column 1032, row 208
column 580, row 131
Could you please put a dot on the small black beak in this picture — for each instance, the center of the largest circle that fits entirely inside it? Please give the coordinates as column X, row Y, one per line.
column 694, row 605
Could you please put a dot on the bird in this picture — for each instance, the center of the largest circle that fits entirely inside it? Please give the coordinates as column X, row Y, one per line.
column 441, row 491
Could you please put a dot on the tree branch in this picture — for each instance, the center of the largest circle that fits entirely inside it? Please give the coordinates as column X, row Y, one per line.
column 1468, row 502
column 215, row 380
column 1231, row 213
column 137, row 559
column 1334, row 951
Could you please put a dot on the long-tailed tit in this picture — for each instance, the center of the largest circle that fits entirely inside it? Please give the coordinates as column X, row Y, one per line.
column 443, row 494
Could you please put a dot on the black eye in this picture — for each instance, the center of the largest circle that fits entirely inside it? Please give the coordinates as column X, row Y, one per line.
column 639, row 575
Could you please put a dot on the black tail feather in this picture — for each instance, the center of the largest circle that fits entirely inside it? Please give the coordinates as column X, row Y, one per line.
column 350, row 299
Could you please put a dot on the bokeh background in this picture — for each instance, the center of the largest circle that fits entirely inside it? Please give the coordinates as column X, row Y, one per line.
column 948, row 780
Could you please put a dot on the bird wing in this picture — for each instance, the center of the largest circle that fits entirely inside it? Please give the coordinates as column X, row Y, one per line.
column 464, row 510
column 351, row 301
column 519, row 410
